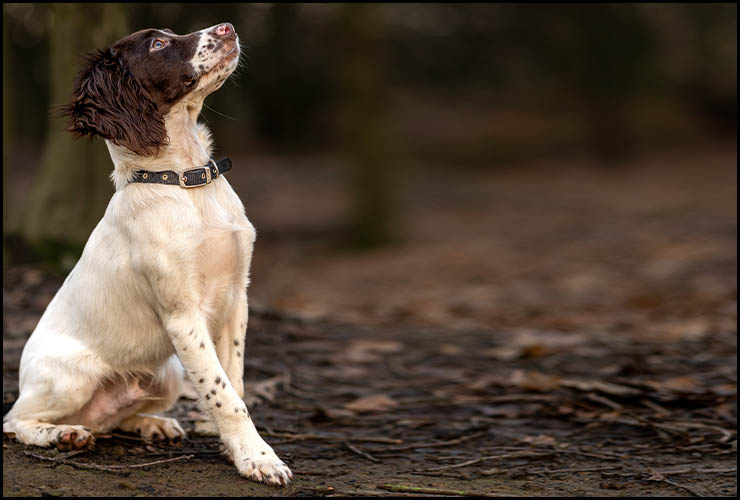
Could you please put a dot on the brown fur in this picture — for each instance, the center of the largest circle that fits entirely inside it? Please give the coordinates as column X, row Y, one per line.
column 124, row 92
column 111, row 103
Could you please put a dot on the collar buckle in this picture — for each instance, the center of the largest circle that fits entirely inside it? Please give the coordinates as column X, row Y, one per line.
column 183, row 179
column 205, row 174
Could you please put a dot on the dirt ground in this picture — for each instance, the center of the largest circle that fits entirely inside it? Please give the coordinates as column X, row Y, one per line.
column 551, row 330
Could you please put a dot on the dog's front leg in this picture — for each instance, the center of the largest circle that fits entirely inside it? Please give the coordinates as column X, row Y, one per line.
column 253, row 457
column 230, row 344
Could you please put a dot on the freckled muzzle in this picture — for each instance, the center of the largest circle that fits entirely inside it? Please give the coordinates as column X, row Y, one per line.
column 217, row 54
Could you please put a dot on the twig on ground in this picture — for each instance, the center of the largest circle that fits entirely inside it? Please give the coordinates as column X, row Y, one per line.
column 655, row 425
column 182, row 457
column 452, row 475
column 434, row 444
column 520, row 454
column 361, row 453
column 598, row 398
column 399, row 488
column 564, row 471
column 602, row 456
column 663, row 412
column 118, row 469
column 697, row 471
column 191, row 451
column 122, row 436
column 297, row 437
column 659, row 477
column 76, row 465
column 69, row 454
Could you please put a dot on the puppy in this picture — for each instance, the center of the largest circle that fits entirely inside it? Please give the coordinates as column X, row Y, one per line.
column 161, row 283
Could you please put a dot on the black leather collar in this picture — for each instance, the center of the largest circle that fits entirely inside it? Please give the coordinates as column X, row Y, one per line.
column 195, row 177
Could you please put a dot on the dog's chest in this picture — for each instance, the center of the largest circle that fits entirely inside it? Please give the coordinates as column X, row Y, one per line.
column 224, row 252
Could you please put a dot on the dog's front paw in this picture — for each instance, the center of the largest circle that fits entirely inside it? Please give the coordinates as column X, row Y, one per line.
column 270, row 471
column 264, row 466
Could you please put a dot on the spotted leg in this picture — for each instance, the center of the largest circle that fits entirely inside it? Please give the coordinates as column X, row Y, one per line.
column 253, row 457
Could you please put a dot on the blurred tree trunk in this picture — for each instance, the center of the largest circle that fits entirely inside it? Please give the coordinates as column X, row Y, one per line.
column 614, row 50
column 710, row 88
column 7, row 128
column 363, row 96
column 72, row 188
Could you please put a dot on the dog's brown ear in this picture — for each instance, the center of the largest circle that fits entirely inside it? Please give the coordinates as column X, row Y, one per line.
column 111, row 103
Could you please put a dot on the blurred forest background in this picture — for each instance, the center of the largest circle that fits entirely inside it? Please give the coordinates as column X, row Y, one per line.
column 355, row 126
column 493, row 228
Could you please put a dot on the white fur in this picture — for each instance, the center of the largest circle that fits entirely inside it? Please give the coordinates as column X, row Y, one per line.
column 162, row 278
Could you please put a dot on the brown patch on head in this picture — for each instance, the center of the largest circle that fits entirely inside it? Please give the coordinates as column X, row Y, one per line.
column 166, row 72
column 108, row 101
column 123, row 93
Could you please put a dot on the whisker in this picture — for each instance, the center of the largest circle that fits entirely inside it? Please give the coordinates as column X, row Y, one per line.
column 218, row 113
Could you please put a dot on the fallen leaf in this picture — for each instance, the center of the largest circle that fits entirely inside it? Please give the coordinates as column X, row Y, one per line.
column 724, row 389
column 502, row 411
column 450, row 349
column 414, row 423
column 484, row 381
column 694, row 329
column 325, row 414
column 536, row 343
column 503, row 353
column 534, row 381
column 655, row 475
column 598, row 386
column 378, row 402
column 370, row 351
column 610, row 416
column 540, row 440
column 676, row 384
column 255, row 392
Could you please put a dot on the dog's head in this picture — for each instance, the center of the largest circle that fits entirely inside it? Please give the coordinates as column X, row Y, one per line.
column 124, row 92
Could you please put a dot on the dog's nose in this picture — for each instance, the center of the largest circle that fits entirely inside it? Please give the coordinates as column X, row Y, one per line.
column 225, row 30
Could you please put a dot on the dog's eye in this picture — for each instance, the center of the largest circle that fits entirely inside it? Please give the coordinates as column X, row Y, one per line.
column 158, row 44
column 189, row 82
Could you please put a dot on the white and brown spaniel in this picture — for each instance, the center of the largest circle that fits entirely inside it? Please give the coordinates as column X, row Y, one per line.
column 161, row 285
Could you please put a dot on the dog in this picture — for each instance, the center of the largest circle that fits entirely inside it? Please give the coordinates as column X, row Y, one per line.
column 161, row 286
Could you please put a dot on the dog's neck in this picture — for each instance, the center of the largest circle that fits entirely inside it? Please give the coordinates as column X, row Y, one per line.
column 189, row 146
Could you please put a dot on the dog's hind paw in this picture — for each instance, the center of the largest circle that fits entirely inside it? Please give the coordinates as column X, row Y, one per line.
column 154, row 427
column 74, row 437
column 205, row 428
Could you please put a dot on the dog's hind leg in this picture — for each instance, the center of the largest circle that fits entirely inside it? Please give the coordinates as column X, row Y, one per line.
column 37, row 433
column 162, row 394
column 45, row 401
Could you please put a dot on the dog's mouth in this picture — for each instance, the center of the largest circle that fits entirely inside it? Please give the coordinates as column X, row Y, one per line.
column 224, row 61
column 232, row 53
